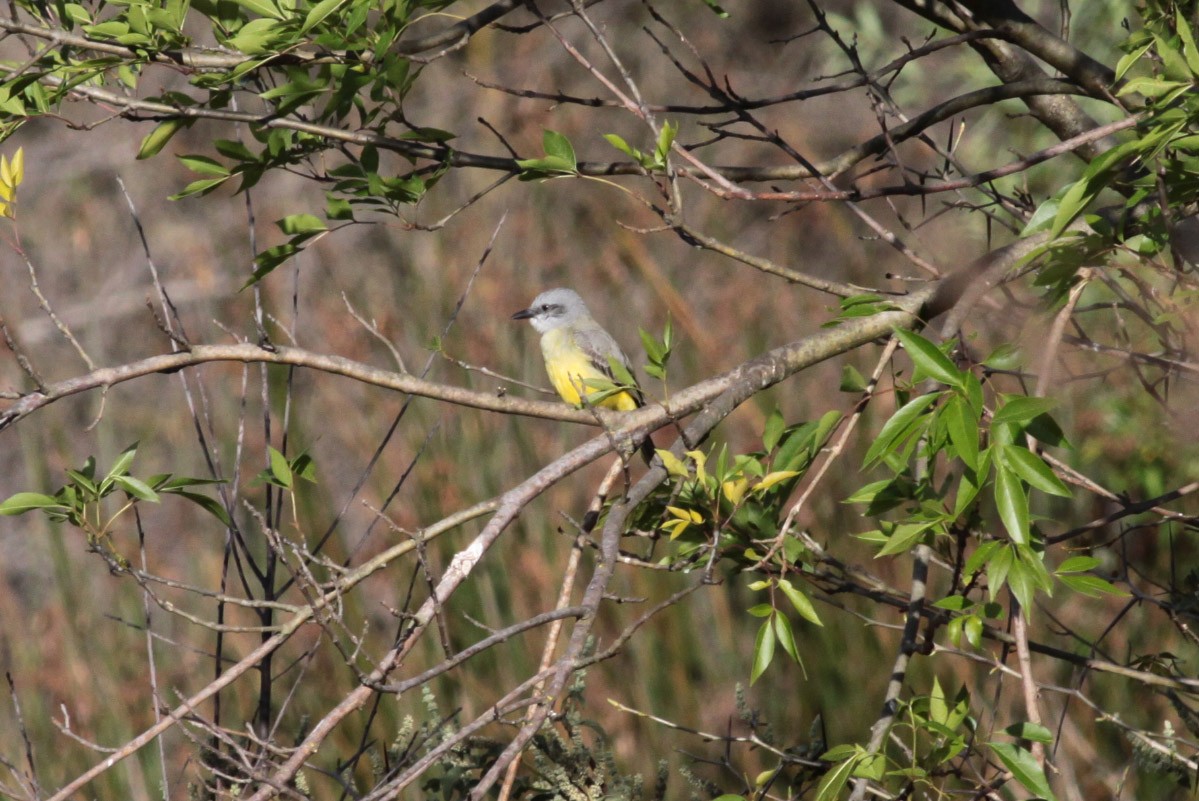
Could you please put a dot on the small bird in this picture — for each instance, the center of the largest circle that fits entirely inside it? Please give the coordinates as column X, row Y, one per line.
column 578, row 352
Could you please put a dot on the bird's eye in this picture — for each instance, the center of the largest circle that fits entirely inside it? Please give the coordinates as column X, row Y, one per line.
column 545, row 307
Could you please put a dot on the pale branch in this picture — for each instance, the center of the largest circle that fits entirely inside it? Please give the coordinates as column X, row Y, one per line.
column 252, row 353
column 838, row 288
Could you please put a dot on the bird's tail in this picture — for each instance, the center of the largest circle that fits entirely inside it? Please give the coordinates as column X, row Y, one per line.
column 648, row 450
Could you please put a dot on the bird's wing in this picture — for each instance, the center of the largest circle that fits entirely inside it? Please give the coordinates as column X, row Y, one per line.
column 599, row 346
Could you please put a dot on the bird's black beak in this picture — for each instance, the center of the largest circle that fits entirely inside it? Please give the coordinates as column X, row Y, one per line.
column 523, row 314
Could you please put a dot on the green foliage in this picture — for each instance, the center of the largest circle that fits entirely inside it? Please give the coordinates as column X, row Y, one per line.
column 856, row 306
column 650, row 162
column 731, row 502
column 776, row 627
column 12, row 173
column 559, row 159
column 283, row 472
column 945, row 427
column 658, row 351
column 81, row 502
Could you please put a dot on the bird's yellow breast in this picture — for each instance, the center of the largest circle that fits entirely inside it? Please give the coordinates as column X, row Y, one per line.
column 570, row 369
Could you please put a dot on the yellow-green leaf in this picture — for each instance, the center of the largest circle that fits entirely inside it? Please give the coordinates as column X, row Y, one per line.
column 156, row 140
column 770, row 479
column 674, row 465
column 735, row 490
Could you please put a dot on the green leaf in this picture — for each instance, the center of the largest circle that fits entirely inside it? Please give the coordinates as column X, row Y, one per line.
column 971, row 484
column 337, row 208
column 894, row 428
column 318, row 14
column 775, row 425
column 1012, row 503
column 280, row 470
column 201, row 187
column 172, row 483
column 654, row 351
column 773, row 478
column 211, row 505
column 1174, row 66
column 973, row 628
column 1030, row 731
column 1046, row 430
column 1189, row 51
column 998, row 567
column 257, row 36
column 869, row 492
column 1005, row 357
column 425, row 134
column 1091, row 586
column 665, row 139
column 786, row 637
column 962, row 426
column 1021, row 409
column 301, row 225
column 83, row 479
column 763, row 650
column 270, row 259
column 834, row 781
column 954, row 603
column 953, row 630
column 1041, row 219
column 77, row 13
column 674, row 465
column 760, row 610
column 137, row 488
column 1024, row 767
column 800, row 601
column 156, row 140
column 1027, row 575
column 623, row 146
column 121, row 466
column 824, row 427
column 1130, row 58
column 204, row 165
column 1153, row 88
column 24, row 502
column 558, row 146
column 532, row 169
column 981, row 556
column 1077, row 564
column 929, row 359
column 851, row 380
column 903, row 538
column 263, row 8
column 1033, row 470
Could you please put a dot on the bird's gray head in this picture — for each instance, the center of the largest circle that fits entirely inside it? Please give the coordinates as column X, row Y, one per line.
column 552, row 309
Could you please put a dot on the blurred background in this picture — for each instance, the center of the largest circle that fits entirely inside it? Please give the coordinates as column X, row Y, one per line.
column 73, row 639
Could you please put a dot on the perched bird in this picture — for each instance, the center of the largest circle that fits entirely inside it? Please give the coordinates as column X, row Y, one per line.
column 579, row 353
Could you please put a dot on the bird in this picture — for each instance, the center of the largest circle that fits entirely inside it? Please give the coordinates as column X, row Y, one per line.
column 579, row 354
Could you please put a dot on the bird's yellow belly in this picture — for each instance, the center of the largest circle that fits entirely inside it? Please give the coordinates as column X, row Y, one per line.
column 570, row 371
